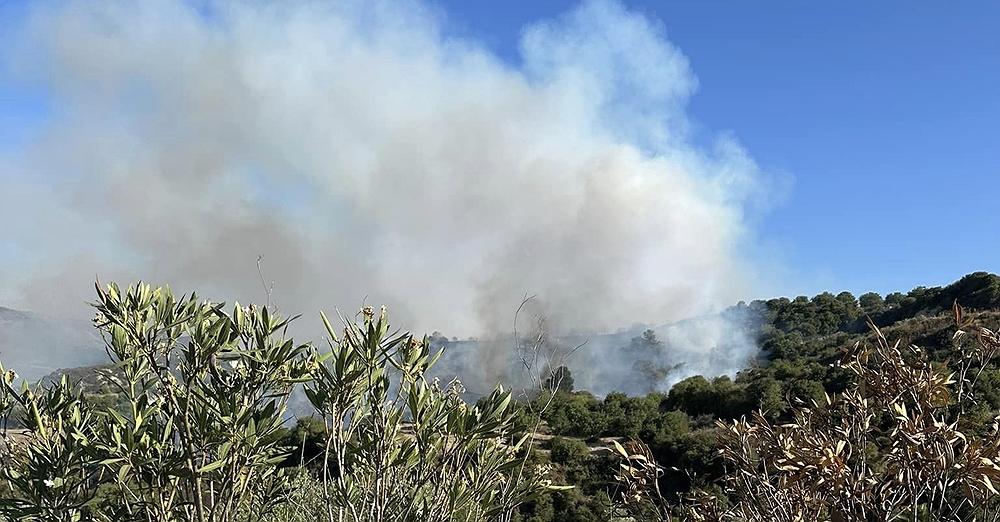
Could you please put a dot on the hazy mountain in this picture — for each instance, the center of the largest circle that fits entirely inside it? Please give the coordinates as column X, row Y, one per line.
column 35, row 345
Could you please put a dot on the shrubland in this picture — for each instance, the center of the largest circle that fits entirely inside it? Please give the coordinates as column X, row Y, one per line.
column 807, row 345
column 842, row 418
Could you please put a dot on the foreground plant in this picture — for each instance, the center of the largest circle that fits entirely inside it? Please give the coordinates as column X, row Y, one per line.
column 895, row 446
column 196, row 433
column 401, row 448
column 205, row 395
column 51, row 474
column 202, row 395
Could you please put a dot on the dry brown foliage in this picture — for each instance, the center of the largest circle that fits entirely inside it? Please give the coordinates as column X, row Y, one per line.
column 892, row 447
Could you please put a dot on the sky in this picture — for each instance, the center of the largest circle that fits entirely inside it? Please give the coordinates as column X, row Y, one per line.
column 742, row 149
column 885, row 116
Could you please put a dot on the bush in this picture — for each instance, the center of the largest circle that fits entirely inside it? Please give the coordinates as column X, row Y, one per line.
column 575, row 414
column 893, row 446
column 568, row 451
column 198, row 435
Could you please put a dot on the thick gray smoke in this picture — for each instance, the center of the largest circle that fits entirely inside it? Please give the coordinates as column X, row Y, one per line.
column 368, row 156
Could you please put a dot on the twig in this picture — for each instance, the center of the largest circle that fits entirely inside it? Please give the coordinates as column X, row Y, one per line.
column 261, row 274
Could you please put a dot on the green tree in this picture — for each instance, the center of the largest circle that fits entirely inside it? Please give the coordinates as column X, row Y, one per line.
column 871, row 303
column 575, row 414
column 559, row 380
column 765, row 395
column 568, row 451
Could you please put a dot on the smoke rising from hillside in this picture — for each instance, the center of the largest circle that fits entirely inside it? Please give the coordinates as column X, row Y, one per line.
column 369, row 156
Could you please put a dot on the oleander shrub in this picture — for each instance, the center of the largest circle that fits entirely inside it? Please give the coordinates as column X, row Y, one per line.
column 196, row 431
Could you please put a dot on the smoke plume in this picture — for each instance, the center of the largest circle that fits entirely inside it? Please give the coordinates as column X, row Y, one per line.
column 364, row 153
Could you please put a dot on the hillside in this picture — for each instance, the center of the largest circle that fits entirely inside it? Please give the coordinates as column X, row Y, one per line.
column 799, row 342
column 35, row 345
column 790, row 342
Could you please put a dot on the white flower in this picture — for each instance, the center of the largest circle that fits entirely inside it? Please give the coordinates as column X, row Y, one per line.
column 49, row 483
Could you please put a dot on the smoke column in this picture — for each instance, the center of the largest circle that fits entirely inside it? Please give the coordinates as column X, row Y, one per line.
column 368, row 155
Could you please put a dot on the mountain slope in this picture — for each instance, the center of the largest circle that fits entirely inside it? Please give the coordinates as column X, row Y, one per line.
column 35, row 345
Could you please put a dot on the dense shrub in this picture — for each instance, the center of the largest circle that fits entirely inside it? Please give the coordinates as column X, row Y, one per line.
column 197, row 433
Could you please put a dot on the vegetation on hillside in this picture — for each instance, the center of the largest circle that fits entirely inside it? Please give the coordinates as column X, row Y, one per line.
column 896, row 445
column 839, row 420
column 802, row 340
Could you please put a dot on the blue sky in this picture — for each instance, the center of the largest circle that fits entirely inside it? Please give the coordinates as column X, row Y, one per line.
column 886, row 115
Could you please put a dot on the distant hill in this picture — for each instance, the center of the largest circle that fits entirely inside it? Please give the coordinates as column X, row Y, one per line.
column 803, row 332
column 35, row 345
